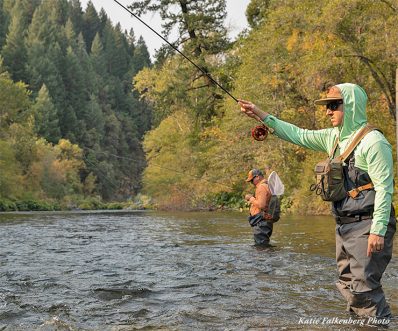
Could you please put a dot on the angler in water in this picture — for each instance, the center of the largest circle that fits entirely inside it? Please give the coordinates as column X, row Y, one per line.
column 259, row 220
column 361, row 198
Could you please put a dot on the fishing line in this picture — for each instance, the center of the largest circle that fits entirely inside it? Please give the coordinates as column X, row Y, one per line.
column 101, row 173
column 161, row 167
column 177, row 50
column 260, row 132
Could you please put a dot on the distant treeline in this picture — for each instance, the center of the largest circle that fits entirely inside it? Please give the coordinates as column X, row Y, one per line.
column 70, row 124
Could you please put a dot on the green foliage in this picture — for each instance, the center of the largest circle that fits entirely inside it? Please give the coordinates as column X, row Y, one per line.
column 14, row 50
column 91, row 204
column 175, row 84
column 77, row 133
column 79, row 69
column 225, row 200
column 141, row 201
column 7, row 205
column 10, row 173
column 34, row 205
column 256, row 12
column 289, row 58
column 199, row 23
column 14, row 104
column 46, row 118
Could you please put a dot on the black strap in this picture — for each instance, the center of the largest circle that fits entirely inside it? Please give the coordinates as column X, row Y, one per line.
column 340, row 220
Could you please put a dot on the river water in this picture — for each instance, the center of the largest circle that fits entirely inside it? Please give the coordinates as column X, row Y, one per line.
column 170, row 271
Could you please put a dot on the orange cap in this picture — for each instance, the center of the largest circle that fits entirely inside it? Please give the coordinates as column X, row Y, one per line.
column 253, row 173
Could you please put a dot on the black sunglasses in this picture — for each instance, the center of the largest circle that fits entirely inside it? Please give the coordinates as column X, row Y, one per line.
column 333, row 105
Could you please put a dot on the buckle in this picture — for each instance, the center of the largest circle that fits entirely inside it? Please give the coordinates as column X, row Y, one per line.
column 353, row 193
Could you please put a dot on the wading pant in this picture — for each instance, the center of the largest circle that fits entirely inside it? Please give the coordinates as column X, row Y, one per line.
column 359, row 275
column 262, row 233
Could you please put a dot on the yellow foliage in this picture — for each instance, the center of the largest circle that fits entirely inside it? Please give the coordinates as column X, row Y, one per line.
column 292, row 40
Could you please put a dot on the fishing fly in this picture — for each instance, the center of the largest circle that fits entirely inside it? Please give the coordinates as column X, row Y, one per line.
column 260, row 132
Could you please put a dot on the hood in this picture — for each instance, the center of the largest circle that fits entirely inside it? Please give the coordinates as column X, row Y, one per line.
column 355, row 99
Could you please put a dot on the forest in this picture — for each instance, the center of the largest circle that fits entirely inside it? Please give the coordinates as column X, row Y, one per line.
column 89, row 121
column 71, row 124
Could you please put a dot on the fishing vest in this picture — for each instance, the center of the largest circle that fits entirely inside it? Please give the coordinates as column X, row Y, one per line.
column 363, row 203
column 338, row 180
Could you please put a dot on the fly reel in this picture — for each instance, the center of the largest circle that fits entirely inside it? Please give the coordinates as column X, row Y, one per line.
column 260, row 132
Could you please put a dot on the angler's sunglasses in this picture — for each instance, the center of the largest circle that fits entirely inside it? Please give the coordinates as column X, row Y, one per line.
column 333, row 105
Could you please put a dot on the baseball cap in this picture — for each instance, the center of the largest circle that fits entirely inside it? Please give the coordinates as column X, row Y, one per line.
column 253, row 173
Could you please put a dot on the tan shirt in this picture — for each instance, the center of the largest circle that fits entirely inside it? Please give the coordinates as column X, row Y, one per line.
column 261, row 199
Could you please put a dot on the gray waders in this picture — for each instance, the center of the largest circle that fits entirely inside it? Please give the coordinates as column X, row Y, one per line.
column 359, row 275
column 262, row 232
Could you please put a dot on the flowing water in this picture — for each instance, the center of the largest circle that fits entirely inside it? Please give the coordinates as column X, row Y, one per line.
column 170, row 271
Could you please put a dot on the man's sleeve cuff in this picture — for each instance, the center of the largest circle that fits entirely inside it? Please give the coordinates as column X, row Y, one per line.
column 270, row 121
column 378, row 229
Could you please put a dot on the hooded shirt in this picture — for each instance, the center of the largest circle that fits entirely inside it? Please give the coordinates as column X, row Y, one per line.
column 372, row 155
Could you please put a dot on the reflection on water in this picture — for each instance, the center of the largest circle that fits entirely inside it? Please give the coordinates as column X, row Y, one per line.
column 121, row 271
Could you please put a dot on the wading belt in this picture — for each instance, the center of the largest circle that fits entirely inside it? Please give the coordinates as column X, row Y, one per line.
column 340, row 220
column 362, row 133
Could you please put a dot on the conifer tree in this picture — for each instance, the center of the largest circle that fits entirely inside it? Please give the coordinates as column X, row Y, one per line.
column 46, row 118
column 203, row 37
column 91, row 24
column 141, row 57
column 79, row 68
column 14, row 50
column 3, row 24
column 76, row 15
column 45, row 54
column 199, row 23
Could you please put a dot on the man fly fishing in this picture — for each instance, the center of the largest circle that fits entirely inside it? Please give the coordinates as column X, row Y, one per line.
column 259, row 202
column 358, row 179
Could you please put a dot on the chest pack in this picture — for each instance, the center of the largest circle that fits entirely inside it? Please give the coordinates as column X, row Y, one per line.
column 330, row 176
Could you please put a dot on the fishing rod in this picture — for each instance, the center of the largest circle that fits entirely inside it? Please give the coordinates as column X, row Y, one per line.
column 177, row 50
column 260, row 132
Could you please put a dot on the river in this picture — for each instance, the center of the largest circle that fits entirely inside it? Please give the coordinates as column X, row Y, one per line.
column 170, row 271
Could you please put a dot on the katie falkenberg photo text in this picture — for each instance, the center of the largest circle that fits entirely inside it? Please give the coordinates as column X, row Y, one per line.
column 343, row 321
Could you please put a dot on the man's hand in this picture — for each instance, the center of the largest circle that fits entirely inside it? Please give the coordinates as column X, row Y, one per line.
column 252, row 110
column 375, row 244
column 248, row 197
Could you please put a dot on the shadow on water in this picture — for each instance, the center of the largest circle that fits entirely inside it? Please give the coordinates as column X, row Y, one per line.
column 175, row 271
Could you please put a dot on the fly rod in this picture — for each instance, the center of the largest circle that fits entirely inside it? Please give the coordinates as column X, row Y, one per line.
column 177, row 50
column 260, row 132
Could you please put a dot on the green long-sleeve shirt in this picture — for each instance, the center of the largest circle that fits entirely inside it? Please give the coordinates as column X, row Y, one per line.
column 373, row 154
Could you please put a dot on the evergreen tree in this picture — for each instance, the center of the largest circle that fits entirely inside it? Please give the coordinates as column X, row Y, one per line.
column 59, row 11
column 45, row 55
column 46, row 118
column 76, row 15
column 97, row 56
column 199, row 23
column 256, row 12
column 91, row 24
column 3, row 24
column 14, row 50
column 76, row 94
column 141, row 57
column 203, row 37
column 79, row 68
